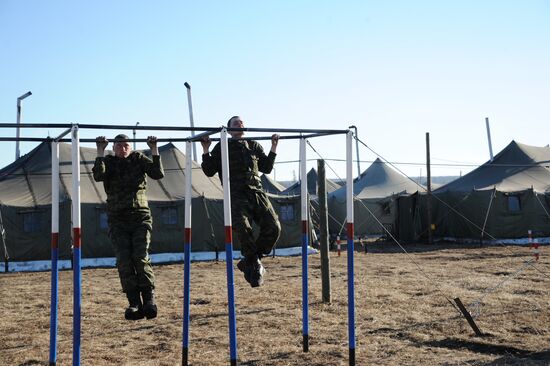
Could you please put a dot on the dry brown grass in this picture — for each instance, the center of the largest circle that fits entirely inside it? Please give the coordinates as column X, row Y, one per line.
column 402, row 318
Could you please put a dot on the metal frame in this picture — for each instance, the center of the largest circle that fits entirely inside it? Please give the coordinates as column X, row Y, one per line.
column 301, row 134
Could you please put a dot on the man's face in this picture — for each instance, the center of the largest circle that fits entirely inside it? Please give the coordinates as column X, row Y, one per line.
column 236, row 123
column 122, row 149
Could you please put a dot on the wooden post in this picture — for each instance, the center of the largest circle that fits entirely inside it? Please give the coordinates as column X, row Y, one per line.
column 468, row 317
column 323, row 228
column 429, row 188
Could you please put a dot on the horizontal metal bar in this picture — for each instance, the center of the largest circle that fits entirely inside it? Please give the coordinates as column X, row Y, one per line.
column 172, row 139
column 165, row 128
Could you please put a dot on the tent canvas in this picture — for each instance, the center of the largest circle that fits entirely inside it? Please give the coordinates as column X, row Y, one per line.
column 25, row 204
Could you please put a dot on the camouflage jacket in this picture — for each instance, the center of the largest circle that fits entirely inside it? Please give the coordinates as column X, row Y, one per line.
column 246, row 159
column 125, row 182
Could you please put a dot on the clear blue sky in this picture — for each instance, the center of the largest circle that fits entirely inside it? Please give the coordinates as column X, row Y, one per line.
column 395, row 69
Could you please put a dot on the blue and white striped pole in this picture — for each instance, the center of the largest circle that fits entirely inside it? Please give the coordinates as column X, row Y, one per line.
column 350, row 233
column 187, row 253
column 77, row 271
column 305, row 243
column 54, row 253
column 229, row 248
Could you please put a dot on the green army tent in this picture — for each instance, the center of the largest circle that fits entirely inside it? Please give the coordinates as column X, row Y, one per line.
column 25, row 207
column 375, row 193
column 502, row 199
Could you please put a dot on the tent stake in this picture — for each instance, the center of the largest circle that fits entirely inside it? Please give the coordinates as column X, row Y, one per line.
column 468, row 317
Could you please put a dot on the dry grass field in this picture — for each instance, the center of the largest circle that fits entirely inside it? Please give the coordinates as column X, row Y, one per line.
column 403, row 318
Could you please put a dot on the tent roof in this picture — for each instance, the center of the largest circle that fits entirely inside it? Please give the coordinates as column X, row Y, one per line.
column 516, row 168
column 312, row 177
column 27, row 181
column 379, row 180
column 271, row 185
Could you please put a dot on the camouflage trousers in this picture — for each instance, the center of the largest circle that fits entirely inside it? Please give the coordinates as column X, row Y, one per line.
column 250, row 207
column 131, row 237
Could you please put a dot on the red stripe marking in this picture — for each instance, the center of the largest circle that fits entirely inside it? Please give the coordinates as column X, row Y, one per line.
column 187, row 235
column 55, row 240
column 76, row 237
column 304, row 226
column 350, row 230
column 228, row 234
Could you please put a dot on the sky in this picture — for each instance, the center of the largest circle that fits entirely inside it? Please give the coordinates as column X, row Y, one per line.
column 395, row 69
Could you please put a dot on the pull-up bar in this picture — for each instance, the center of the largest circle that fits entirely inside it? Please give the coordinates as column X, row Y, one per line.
column 75, row 161
column 88, row 126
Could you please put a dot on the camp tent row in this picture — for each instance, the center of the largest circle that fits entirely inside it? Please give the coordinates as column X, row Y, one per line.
column 25, row 207
column 503, row 198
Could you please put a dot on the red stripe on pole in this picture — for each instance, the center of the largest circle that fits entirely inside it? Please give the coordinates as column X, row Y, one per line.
column 304, row 227
column 55, row 240
column 228, row 235
column 187, row 235
column 350, row 230
column 76, row 237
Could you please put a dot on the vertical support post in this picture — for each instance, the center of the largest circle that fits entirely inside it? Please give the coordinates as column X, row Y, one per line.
column 429, row 188
column 54, row 253
column 191, row 120
column 323, row 234
column 305, row 239
column 228, row 248
column 187, row 254
column 489, row 138
column 77, row 275
column 350, row 233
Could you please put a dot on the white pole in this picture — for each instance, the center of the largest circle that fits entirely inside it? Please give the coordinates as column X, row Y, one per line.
column 228, row 248
column 350, row 233
column 187, row 254
column 17, row 134
column 77, row 272
column 54, row 253
column 489, row 138
column 305, row 243
column 192, row 122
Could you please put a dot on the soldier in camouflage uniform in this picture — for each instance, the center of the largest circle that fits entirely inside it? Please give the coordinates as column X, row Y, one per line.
column 249, row 203
column 130, row 222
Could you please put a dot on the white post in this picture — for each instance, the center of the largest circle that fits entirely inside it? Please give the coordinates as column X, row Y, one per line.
column 305, row 243
column 489, row 138
column 350, row 233
column 77, row 275
column 17, row 133
column 187, row 254
column 54, row 253
column 191, row 120
column 228, row 247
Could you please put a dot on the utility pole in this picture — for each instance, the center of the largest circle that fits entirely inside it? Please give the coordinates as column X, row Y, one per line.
column 429, row 188
column 323, row 231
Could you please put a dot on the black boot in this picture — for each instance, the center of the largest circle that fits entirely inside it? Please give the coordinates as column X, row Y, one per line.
column 134, row 311
column 149, row 306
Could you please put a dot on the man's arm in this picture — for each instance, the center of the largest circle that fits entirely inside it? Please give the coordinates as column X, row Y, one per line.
column 153, row 168
column 211, row 162
column 265, row 163
column 99, row 171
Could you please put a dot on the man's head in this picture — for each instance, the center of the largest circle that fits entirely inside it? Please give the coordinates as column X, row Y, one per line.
column 236, row 122
column 121, row 146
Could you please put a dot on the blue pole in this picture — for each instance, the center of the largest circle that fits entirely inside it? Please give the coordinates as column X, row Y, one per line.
column 305, row 241
column 305, row 298
column 77, row 283
column 231, row 301
column 351, row 296
column 186, row 296
column 54, row 301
